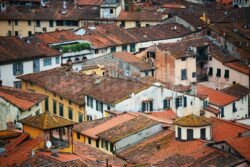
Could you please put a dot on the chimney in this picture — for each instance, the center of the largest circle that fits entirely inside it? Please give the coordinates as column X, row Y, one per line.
column 158, row 146
column 33, row 153
column 97, row 81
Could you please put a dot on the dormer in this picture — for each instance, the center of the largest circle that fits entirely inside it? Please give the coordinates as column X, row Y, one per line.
column 110, row 9
column 192, row 127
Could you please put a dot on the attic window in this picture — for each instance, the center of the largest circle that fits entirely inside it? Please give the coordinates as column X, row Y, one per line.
column 147, row 105
column 151, row 54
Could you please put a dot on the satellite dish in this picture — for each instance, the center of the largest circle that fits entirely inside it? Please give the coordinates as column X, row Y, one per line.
column 48, row 144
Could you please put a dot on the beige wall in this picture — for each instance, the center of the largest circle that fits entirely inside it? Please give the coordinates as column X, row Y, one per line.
column 131, row 24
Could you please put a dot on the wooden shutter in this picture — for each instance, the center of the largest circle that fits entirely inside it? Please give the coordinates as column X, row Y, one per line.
column 151, row 105
column 184, row 101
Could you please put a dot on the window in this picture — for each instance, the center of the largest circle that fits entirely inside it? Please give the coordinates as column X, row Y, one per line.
column 111, row 147
column 89, row 101
column 37, row 112
column 9, row 22
column 166, row 104
column 96, row 51
column 147, row 106
column 183, row 74
column 226, row 75
column 184, row 101
column 99, row 106
column 61, row 109
column 57, row 60
column 111, row 11
column 106, row 145
column 18, row 68
column 218, row 74
column 38, row 23
column 9, row 33
column 16, row 22
column 70, row 112
column 89, row 118
column 108, row 107
column 89, row 140
column 203, row 133
column 193, row 74
column 147, row 25
column 80, row 117
column 234, row 107
column 78, row 135
column 178, row 102
column 137, row 23
column 18, row 85
column 29, row 22
column 190, row 134
column 51, row 23
column 70, row 102
column 47, row 104
column 47, row 62
column 150, row 54
column 222, row 112
column 97, row 143
column 113, row 49
column 29, row 33
column 122, row 25
column 54, row 107
column 205, row 104
column 16, row 33
column 124, row 47
column 132, row 48
column 210, row 72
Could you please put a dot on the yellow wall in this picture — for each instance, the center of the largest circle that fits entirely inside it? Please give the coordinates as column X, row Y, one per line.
column 34, row 133
column 132, row 24
column 75, row 107
column 23, row 28
column 84, row 139
column 97, row 70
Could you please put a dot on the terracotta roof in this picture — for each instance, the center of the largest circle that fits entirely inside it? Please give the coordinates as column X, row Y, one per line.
column 88, row 129
column 172, row 152
column 241, row 145
column 181, row 49
column 23, row 100
column 74, row 86
column 14, row 49
column 192, row 121
column 114, row 90
column 94, row 157
column 238, row 66
column 140, row 16
column 212, row 110
column 236, row 90
column 226, row 130
column 158, row 32
column 216, row 97
column 51, row 12
column 46, row 159
column 46, row 121
column 221, row 54
column 134, row 61
column 89, row 2
column 19, row 153
column 68, row 84
column 128, row 128
column 6, row 134
column 171, row 5
column 165, row 115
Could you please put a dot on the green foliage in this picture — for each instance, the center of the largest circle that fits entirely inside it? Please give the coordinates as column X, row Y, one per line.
column 138, row 9
column 75, row 47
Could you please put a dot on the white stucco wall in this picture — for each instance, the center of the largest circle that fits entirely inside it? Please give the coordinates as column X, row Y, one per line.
column 132, row 139
column 221, row 82
column 6, row 70
column 10, row 113
column 196, row 132
column 157, row 94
